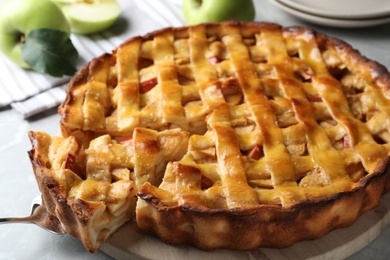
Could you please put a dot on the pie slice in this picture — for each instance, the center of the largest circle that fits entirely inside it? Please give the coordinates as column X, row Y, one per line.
column 266, row 136
column 92, row 191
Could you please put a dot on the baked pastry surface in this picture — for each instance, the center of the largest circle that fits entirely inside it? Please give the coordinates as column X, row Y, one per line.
column 92, row 191
column 269, row 135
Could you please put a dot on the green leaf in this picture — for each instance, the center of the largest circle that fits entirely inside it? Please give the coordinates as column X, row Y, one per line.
column 50, row 51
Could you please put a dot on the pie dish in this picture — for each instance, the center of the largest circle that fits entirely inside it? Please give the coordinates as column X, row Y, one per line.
column 227, row 135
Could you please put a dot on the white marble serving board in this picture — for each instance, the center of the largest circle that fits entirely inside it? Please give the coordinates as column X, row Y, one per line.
column 128, row 243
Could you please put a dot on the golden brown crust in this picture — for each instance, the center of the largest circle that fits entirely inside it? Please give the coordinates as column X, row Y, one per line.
column 260, row 226
column 379, row 73
column 91, row 192
column 72, row 124
column 286, row 129
column 76, row 216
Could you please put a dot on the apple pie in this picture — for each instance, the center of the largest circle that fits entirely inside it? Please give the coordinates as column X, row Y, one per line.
column 228, row 135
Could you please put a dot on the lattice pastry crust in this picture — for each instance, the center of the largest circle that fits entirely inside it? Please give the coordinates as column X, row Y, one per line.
column 288, row 130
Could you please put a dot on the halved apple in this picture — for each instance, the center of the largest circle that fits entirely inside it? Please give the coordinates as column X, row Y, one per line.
column 89, row 16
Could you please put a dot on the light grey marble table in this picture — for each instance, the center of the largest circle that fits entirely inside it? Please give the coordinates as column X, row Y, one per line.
column 18, row 186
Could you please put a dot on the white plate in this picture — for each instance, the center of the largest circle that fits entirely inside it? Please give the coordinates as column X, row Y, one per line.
column 342, row 9
column 333, row 22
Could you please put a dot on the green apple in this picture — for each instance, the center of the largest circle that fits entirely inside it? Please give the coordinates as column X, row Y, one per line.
column 205, row 11
column 19, row 17
column 89, row 16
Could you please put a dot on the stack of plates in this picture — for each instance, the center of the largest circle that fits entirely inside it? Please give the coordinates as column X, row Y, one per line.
column 338, row 13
